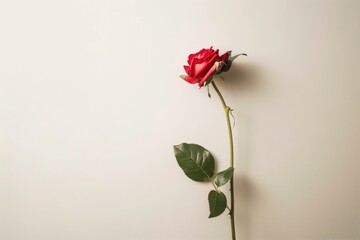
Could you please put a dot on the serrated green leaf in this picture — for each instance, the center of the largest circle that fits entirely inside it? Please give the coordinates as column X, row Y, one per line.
column 224, row 176
column 217, row 203
column 196, row 162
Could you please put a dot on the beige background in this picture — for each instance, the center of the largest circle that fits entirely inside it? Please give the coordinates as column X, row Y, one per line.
column 91, row 104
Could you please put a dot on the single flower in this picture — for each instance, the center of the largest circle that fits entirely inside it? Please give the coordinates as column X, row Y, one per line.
column 203, row 65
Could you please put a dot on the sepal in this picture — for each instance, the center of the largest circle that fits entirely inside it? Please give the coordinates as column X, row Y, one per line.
column 228, row 63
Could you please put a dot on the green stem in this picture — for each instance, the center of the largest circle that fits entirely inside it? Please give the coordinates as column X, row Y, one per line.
column 227, row 110
column 215, row 187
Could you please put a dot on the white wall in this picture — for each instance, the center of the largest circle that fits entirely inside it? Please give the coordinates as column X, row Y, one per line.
column 91, row 104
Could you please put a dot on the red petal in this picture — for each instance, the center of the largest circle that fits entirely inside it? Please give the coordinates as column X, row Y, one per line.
column 225, row 56
column 189, row 79
column 200, row 54
column 195, row 66
column 208, row 57
column 209, row 52
column 192, row 66
column 208, row 75
column 196, row 55
column 206, row 67
column 187, row 69
column 201, row 62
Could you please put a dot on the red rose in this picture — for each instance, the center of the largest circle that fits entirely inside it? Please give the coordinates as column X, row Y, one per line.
column 203, row 65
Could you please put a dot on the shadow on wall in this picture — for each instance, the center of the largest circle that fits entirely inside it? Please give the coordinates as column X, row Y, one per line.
column 243, row 78
column 245, row 196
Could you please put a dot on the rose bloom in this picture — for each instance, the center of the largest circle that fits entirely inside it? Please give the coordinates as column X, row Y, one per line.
column 203, row 65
